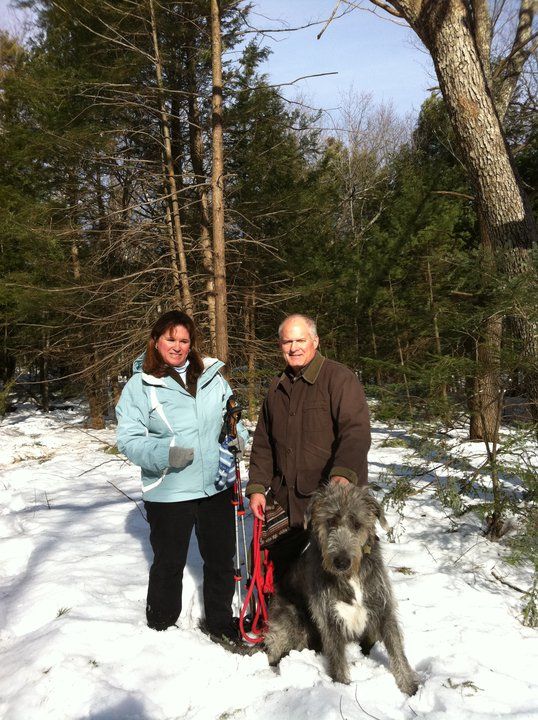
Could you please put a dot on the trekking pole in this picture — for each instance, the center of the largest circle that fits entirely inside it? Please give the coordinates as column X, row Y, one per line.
column 234, row 409
column 233, row 415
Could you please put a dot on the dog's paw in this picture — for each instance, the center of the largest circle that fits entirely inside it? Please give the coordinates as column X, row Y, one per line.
column 344, row 680
column 341, row 677
column 273, row 657
column 409, row 685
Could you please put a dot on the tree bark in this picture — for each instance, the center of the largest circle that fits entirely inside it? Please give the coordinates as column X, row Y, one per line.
column 399, row 346
column 197, row 160
column 484, row 402
column 170, row 171
column 435, row 325
column 485, row 409
column 378, row 377
column 447, row 28
column 95, row 392
column 250, row 345
column 173, row 256
column 44, row 372
column 217, row 187
column 509, row 69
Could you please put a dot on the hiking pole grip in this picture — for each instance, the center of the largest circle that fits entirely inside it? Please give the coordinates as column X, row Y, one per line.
column 233, row 415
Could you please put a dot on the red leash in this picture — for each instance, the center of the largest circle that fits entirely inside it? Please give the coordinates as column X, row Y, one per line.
column 261, row 584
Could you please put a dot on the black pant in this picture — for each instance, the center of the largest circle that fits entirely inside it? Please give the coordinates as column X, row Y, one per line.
column 286, row 550
column 171, row 527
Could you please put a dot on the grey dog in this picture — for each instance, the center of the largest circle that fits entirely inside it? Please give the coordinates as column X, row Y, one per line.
column 339, row 590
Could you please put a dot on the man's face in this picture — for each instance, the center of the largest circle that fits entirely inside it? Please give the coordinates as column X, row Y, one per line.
column 297, row 344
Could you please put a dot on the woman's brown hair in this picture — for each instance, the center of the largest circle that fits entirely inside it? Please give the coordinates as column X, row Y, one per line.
column 153, row 362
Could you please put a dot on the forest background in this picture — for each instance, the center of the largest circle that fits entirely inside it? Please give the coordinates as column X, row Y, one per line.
column 149, row 164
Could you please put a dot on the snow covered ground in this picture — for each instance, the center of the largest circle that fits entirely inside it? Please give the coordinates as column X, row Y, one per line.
column 74, row 556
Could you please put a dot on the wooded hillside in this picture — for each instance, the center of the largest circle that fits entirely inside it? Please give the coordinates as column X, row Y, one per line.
column 148, row 164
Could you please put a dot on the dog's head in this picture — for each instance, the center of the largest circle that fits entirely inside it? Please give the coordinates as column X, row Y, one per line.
column 343, row 522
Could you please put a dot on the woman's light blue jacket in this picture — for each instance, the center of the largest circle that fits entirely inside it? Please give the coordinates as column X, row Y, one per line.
column 155, row 414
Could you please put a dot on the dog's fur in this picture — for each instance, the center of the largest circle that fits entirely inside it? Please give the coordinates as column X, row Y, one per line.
column 339, row 590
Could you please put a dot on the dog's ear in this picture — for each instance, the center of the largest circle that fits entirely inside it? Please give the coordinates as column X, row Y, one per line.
column 313, row 506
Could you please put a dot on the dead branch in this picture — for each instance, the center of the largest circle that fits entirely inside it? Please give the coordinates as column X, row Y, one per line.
column 505, row 582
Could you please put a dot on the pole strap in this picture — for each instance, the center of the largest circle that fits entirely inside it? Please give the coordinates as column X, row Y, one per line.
column 256, row 591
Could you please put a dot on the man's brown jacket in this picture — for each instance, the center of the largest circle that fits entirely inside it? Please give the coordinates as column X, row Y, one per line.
column 310, row 428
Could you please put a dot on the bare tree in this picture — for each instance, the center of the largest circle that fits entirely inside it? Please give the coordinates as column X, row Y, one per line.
column 217, row 187
column 502, row 78
column 196, row 144
column 177, row 246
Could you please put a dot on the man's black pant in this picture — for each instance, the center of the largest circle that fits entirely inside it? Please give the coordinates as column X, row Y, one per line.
column 170, row 531
column 287, row 550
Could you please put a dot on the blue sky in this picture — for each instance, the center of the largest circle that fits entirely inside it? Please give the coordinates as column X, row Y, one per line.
column 370, row 52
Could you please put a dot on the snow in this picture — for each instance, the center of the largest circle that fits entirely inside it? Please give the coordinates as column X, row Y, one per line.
column 74, row 558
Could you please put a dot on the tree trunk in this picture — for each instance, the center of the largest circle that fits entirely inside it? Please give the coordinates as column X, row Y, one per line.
column 95, row 391
column 217, row 186
column 484, row 403
column 170, row 171
column 435, row 325
column 250, row 345
column 378, row 377
column 75, row 260
column 44, row 373
column 197, row 161
column 485, row 408
column 446, row 28
column 7, row 359
column 400, row 351
column 173, row 256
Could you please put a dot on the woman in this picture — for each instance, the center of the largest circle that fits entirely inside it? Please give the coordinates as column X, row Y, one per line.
column 170, row 416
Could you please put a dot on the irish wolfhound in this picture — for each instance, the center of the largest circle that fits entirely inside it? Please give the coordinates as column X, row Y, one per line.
column 339, row 589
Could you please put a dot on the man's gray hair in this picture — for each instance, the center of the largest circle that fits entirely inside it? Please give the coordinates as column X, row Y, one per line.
column 311, row 324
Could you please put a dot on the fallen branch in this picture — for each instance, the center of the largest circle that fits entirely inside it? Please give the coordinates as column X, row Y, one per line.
column 505, row 582
column 100, row 465
column 128, row 497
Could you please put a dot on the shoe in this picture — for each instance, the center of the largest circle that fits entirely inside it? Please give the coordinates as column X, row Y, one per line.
column 160, row 627
column 229, row 638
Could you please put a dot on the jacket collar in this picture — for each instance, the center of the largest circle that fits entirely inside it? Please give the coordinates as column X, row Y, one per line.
column 311, row 371
column 211, row 367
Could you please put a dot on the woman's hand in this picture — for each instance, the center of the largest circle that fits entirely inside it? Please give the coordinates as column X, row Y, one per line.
column 257, row 505
column 179, row 457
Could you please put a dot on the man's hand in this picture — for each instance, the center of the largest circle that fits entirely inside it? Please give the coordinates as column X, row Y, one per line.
column 257, row 505
column 339, row 480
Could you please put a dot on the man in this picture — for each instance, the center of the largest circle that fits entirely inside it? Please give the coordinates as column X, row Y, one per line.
column 314, row 427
